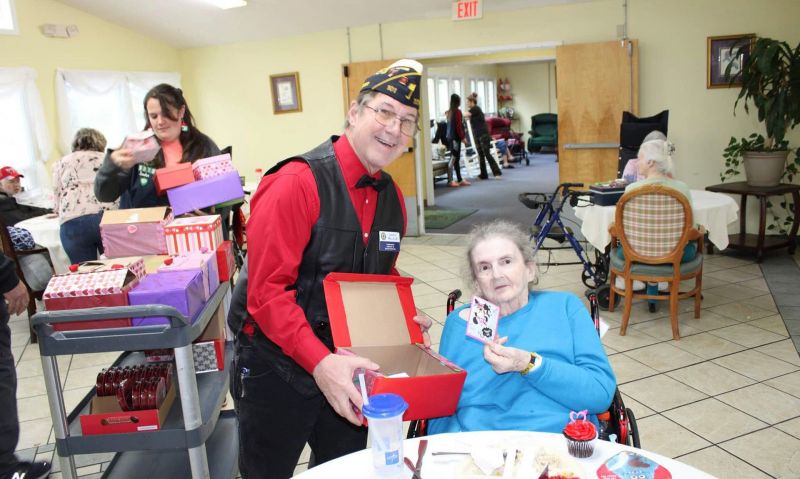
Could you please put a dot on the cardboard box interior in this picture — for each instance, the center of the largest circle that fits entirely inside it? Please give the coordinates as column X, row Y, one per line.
column 403, row 358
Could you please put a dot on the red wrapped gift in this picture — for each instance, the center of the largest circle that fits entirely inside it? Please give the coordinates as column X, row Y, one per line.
column 90, row 290
column 193, row 233
column 134, row 263
column 226, row 264
column 172, row 176
column 392, row 339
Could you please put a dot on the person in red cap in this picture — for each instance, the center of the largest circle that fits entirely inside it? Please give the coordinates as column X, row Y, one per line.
column 333, row 208
column 12, row 212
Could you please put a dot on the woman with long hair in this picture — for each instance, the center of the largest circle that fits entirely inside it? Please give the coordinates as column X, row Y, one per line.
column 455, row 136
column 168, row 115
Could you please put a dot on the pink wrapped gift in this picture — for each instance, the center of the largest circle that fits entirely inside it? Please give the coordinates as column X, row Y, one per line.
column 134, row 232
column 213, row 166
column 90, row 290
column 193, row 233
column 133, row 263
column 205, row 193
column 206, row 263
column 180, row 289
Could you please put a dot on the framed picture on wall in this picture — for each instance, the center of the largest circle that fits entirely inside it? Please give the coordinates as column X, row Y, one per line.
column 724, row 51
column 286, row 93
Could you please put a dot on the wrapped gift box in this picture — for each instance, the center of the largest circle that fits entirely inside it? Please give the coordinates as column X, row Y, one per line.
column 226, row 264
column 180, row 289
column 213, row 166
column 90, row 290
column 216, row 327
column 204, row 193
column 133, row 263
column 205, row 263
column 193, row 233
column 172, row 176
column 106, row 417
column 209, row 356
column 372, row 316
column 143, row 146
column 134, row 232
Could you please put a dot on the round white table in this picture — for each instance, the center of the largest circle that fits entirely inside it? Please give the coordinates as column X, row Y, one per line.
column 359, row 464
column 47, row 232
column 714, row 211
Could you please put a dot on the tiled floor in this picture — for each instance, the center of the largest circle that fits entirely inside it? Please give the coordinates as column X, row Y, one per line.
column 725, row 398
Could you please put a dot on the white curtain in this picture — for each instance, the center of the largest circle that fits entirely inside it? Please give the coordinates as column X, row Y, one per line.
column 110, row 102
column 23, row 130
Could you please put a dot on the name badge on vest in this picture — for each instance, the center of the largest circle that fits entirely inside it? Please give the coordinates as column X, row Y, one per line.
column 389, row 241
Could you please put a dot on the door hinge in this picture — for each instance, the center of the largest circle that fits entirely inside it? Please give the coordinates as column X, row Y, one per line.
column 345, row 71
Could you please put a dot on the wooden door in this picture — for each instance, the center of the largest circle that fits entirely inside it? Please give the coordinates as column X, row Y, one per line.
column 595, row 83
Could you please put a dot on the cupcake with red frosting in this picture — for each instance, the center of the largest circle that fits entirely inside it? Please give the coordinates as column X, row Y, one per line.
column 580, row 434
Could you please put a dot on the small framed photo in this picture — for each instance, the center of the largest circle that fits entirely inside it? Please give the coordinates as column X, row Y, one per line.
column 286, row 93
column 724, row 51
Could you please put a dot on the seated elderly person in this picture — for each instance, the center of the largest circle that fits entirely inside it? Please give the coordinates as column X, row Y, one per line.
column 12, row 212
column 547, row 359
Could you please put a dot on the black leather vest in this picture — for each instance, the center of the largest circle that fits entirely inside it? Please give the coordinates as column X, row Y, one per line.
column 336, row 244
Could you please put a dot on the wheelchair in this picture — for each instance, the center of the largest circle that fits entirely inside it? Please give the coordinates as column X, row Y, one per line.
column 619, row 421
column 548, row 225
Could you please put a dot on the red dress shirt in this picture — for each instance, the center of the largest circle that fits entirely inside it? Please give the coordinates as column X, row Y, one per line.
column 284, row 209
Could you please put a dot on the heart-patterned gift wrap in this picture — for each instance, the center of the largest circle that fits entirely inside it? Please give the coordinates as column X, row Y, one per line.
column 213, row 166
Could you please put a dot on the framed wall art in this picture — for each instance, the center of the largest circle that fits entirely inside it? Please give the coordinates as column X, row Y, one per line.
column 723, row 51
column 286, row 93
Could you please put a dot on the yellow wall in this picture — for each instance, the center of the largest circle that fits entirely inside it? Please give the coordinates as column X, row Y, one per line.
column 100, row 45
column 230, row 82
column 533, row 87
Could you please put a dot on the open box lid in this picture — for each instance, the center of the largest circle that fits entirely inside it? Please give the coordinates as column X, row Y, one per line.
column 371, row 310
column 156, row 214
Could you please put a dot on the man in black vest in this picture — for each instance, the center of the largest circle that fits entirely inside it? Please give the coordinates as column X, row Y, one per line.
column 313, row 214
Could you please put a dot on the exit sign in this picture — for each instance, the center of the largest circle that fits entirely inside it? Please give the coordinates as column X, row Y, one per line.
column 467, row 10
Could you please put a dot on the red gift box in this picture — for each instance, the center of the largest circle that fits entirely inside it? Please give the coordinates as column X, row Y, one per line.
column 193, row 233
column 106, row 416
column 90, row 290
column 226, row 264
column 172, row 176
column 393, row 340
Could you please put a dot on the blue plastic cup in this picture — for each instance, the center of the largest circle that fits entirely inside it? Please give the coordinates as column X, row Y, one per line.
column 384, row 415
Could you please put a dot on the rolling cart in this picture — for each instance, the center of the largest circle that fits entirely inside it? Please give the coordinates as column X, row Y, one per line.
column 195, row 440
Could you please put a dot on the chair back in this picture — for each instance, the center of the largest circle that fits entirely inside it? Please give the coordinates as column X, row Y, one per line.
column 8, row 249
column 656, row 221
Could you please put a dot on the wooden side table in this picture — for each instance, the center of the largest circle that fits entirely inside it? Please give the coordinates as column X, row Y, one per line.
column 759, row 243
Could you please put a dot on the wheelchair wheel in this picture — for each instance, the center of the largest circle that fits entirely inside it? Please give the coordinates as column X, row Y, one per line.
column 633, row 430
column 603, row 293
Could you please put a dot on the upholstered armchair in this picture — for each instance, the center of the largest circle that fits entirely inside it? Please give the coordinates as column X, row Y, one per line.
column 543, row 132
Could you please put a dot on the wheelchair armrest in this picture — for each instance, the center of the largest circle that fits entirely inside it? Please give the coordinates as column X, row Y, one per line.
column 31, row 251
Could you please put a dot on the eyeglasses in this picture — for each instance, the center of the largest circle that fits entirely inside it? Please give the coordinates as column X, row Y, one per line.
column 386, row 117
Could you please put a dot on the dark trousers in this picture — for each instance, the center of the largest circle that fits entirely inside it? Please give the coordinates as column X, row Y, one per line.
column 455, row 162
column 275, row 421
column 9, row 422
column 81, row 237
column 484, row 147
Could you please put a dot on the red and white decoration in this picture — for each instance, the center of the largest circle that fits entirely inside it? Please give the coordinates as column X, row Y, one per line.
column 212, row 166
column 194, row 233
column 99, row 283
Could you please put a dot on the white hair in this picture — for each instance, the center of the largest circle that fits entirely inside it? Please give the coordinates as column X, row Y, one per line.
column 660, row 153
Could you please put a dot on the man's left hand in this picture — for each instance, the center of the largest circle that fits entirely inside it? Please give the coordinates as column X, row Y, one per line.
column 504, row 359
column 425, row 324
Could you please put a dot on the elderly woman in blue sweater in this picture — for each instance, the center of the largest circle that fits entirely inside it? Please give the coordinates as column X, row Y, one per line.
column 547, row 359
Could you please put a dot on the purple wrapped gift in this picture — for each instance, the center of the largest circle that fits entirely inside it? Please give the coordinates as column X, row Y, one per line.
column 205, row 193
column 206, row 263
column 182, row 289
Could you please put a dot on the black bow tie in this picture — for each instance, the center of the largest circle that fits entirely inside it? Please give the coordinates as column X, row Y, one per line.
column 367, row 180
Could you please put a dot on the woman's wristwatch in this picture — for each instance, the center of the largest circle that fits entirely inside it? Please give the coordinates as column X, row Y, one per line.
column 535, row 359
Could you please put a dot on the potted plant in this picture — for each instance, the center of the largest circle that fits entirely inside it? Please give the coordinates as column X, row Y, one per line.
column 770, row 80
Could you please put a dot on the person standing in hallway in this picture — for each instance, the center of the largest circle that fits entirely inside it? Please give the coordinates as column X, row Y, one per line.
column 455, row 136
column 15, row 301
column 330, row 209
column 482, row 139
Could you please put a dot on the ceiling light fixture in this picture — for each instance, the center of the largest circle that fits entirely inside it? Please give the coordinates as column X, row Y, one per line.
column 228, row 4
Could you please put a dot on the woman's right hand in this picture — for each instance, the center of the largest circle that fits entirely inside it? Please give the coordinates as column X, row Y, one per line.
column 505, row 359
column 123, row 158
